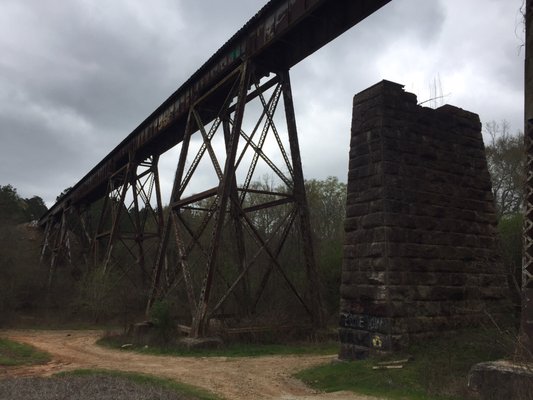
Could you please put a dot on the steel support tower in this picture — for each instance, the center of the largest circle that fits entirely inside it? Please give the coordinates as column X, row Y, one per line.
column 209, row 241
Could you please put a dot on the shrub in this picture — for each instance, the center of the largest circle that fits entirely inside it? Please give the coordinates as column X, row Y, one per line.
column 165, row 327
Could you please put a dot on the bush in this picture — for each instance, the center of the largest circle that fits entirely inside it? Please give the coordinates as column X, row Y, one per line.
column 165, row 326
column 22, row 280
column 97, row 296
column 510, row 227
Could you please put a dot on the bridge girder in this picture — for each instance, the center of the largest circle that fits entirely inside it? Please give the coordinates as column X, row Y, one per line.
column 280, row 35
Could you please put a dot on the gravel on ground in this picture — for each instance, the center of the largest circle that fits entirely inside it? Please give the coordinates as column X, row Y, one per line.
column 82, row 388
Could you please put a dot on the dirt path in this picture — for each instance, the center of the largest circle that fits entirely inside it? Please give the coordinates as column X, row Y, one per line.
column 233, row 378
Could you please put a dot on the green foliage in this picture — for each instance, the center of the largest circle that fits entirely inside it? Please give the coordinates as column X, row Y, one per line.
column 22, row 282
column 327, row 206
column 7, row 287
column 510, row 228
column 15, row 210
column 63, row 193
column 164, row 323
column 507, row 165
column 438, row 369
column 35, row 208
column 506, row 162
column 181, row 388
column 276, row 301
column 97, row 295
column 103, row 295
column 329, row 259
column 228, row 350
column 12, row 207
column 13, row 353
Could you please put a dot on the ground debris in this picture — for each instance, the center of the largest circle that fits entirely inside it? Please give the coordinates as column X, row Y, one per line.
column 392, row 364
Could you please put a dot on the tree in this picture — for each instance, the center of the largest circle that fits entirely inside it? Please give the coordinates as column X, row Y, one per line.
column 35, row 208
column 327, row 204
column 63, row 193
column 510, row 228
column 506, row 162
column 12, row 207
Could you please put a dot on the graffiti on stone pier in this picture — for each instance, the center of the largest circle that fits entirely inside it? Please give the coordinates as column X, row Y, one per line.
column 363, row 322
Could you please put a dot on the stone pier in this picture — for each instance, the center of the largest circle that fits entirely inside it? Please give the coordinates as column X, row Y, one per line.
column 421, row 253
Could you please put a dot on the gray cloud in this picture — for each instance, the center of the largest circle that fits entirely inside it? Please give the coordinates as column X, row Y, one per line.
column 76, row 77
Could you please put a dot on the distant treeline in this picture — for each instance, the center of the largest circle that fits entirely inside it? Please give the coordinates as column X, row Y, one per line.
column 15, row 209
column 79, row 291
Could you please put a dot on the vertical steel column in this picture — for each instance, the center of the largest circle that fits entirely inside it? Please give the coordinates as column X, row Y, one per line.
column 301, row 200
column 175, row 196
column 159, row 202
column 224, row 190
column 55, row 248
column 95, row 242
column 527, row 284
column 47, row 245
column 59, row 244
column 142, row 184
column 237, row 222
column 116, row 218
column 85, row 234
column 139, row 234
column 46, row 240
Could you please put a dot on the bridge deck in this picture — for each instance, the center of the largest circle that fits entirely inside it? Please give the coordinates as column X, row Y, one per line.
column 280, row 35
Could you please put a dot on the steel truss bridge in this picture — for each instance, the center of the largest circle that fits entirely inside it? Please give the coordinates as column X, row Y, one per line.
column 235, row 98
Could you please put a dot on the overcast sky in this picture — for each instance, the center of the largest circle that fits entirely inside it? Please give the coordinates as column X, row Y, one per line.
column 77, row 76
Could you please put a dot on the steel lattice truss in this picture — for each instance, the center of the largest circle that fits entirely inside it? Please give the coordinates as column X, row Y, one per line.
column 527, row 264
column 223, row 249
column 527, row 280
column 223, row 210
column 210, row 242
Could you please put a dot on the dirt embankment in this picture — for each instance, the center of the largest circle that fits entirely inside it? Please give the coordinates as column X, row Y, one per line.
column 233, row 378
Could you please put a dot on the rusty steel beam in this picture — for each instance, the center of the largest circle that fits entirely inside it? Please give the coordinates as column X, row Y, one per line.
column 527, row 276
column 280, row 35
column 301, row 200
column 224, row 191
column 57, row 244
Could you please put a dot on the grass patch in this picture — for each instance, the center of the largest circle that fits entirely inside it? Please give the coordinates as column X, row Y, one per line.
column 438, row 369
column 143, row 379
column 228, row 350
column 13, row 353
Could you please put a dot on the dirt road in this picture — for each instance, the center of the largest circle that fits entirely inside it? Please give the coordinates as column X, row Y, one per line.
column 233, row 378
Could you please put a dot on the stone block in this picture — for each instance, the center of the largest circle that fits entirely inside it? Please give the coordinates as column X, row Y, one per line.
column 502, row 380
